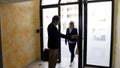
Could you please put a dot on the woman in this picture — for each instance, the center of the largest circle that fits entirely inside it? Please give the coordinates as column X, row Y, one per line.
column 71, row 42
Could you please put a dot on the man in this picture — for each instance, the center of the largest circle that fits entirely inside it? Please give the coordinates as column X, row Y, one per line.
column 53, row 40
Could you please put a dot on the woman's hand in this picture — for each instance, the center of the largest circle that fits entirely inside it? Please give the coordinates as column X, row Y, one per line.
column 74, row 36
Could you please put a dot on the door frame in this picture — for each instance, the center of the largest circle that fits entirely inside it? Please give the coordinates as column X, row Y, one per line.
column 41, row 30
column 79, row 3
column 1, row 59
column 82, row 22
column 85, row 32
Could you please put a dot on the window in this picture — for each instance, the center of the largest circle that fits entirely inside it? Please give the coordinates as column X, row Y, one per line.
column 99, row 33
column 49, row 2
column 92, row 18
column 68, row 1
column 69, row 13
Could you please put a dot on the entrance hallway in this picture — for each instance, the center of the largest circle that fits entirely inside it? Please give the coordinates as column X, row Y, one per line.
column 20, row 44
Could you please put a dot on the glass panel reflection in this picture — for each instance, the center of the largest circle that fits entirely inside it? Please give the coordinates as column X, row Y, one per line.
column 49, row 2
column 99, row 33
column 47, row 18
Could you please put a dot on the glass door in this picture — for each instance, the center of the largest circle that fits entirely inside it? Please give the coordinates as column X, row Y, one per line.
column 47, row 14
column 68, row 13
column 98, row 36
column 47, row 19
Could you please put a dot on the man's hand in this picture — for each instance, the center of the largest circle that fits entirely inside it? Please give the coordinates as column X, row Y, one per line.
column 74, row 36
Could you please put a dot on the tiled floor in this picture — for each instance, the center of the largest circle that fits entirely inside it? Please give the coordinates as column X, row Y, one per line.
column 65, row 59
column 63, row 64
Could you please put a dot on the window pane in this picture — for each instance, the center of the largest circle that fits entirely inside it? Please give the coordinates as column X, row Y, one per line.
column 48, row 2
column 47, row 18
column 99, row 33
column 68, row 1
column 69, row 13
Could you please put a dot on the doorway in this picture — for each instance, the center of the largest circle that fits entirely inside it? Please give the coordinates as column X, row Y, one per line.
column 91, row 28
column 68, row 13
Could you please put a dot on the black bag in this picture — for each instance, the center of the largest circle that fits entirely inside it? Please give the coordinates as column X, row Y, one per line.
column 46, row 54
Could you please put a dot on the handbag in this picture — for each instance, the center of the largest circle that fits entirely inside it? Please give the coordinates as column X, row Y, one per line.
column 77, row 51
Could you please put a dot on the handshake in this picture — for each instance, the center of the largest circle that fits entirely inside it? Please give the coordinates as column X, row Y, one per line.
column 74, row 37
